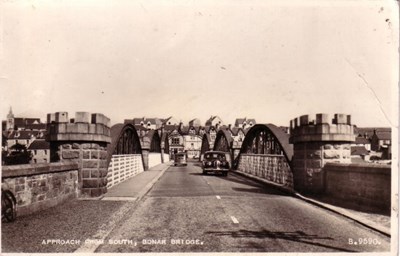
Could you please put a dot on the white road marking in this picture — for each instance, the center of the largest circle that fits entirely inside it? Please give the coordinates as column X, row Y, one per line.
column 218, row 197
column 234, row 220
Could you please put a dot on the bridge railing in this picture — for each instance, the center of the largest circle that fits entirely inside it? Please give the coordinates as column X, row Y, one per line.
column 123, row 167
column 273, row 168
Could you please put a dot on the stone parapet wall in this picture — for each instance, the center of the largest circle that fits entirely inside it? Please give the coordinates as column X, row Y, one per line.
column 272, row 168
column 366, row 185
column 123, row 167
column 82, row 139
column 41, row 186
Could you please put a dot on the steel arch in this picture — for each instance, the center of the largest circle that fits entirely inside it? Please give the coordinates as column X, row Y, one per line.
column 267, row 139
column 124, row 140
column 154, row 140
column 223, row 141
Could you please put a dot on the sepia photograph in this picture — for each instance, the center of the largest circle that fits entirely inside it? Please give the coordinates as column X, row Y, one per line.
column 235, row 126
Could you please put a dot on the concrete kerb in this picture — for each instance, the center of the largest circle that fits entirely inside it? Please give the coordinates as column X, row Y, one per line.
column 363, row 221
column 105, row 231
column 147, row 188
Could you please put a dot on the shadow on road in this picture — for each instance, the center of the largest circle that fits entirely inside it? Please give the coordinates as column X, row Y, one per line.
column 258, row 187
column 297, row 236
column 255, row 187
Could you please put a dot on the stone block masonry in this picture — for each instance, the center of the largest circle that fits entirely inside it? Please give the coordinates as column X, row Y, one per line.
column 366, row 186
column 41, row 186
column 317, row 142
column 82, row 139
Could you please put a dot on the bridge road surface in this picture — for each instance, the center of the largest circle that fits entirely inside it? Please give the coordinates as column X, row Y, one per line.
column 232, row 214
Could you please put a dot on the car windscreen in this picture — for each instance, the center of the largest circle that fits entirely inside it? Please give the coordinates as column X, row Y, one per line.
column 214, row 156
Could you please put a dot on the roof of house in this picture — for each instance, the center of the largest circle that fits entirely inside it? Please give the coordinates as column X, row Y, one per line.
column 384, row 135
column 359, row 150
column 35, row 127
column 235, row 130
column 184, row 129
column 195, row 128
column 212, row 118
column 24, row 135
column 39, row 144
column 369, row 131
column 195, row 122
column 362, row 140
column 140, row 128
column 240, row 121
column 165, row 120
column 19, row 121
column 170, row 128
column 208, row 128
column 146, row 120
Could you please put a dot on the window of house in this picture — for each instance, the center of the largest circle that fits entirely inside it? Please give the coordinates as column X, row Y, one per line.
column 35, row 151
column 45, row 152
column 175, row 141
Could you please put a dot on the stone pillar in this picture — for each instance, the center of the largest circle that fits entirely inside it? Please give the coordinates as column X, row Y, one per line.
column 84, row 140
column 236, row 146
column 145, row 143
column 162, row 148
column 317, row 142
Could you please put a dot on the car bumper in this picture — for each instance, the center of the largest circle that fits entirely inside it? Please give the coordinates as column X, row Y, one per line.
column 215, row 170
column 176, row 164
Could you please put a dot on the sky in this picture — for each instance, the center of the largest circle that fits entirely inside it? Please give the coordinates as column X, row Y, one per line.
column 268, row 60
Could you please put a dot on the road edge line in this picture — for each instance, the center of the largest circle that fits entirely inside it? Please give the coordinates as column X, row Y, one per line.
column 369, row 224
column 148, row 187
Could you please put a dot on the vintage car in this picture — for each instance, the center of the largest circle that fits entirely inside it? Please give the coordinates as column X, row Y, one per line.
column 180, row 159
column 217, row 162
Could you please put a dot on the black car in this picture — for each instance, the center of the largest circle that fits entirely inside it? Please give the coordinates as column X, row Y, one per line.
column 217, row 162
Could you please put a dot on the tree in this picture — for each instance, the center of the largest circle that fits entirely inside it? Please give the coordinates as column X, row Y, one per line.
column 19, row 155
